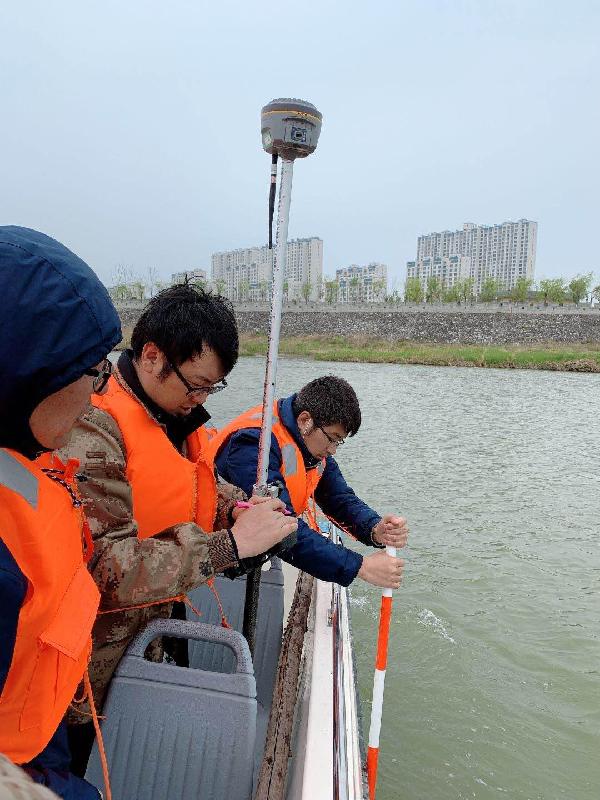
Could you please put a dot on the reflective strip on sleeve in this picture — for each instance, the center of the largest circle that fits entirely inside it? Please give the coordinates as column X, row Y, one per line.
column 14, row 476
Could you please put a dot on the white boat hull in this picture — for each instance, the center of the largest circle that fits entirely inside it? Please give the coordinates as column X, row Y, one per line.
column 327, row 759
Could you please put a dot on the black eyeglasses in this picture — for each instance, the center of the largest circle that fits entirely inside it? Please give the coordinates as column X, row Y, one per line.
column 192, row 390
column 100, row 376
column 330, row 439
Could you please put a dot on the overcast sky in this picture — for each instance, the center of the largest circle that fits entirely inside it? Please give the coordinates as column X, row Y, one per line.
column 130, row 130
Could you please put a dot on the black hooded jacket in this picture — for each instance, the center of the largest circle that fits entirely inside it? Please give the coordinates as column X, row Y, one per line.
column 56, row 321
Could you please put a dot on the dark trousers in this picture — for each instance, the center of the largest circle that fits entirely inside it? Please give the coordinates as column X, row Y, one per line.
column 177, row 649
column 81, row 740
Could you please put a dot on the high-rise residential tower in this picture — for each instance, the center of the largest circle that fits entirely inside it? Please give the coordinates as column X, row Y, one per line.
column 362, row 284
column 246, row 274
column 504, row 252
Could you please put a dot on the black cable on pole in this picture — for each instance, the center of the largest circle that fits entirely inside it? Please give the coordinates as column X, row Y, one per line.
column 272, row 192
column 251, row 607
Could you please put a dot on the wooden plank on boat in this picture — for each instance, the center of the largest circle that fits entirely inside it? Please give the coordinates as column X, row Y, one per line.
column 273, row 770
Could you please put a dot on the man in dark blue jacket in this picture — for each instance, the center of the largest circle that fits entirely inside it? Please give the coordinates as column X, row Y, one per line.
column 57, row 326
column 319, row 418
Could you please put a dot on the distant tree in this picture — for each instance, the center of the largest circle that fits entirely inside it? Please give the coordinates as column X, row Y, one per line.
column 544, row 289
column 354, row 281
column 118, row 293
column 520, row 289
column 286, row 289
column 579, row 286
column 452, row 294
column 559, row 291
column 263, row 290
column 413, row 291
column 123, row 273
column 199, row 283
column 489, row 290
column 306, row 290
column 553, row 290
column 331, row 291
column 243, row 289
column 121, row 279
column 379, row 287
column 220, row 286
column 434, row 289
column 152, row 278
column 465, row 289
column 596, row 293
column 138, row 289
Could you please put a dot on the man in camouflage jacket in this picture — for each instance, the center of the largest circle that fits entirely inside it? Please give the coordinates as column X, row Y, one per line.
column 183, row 345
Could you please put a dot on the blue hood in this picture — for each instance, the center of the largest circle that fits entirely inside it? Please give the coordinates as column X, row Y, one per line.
column 56, row 321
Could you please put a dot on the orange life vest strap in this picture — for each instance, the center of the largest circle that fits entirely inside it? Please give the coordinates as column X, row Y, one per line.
column 103, row 760
column 339, row 525
column 180, row 598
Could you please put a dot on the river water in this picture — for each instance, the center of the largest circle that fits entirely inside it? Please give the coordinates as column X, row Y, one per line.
column 493, row 682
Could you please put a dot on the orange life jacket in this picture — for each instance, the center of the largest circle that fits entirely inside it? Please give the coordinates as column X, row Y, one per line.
column 167, row 487
column 42, row 528
column 300, row 482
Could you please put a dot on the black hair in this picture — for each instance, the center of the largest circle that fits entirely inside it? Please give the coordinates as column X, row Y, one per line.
column 182, row 320
column 330, row 401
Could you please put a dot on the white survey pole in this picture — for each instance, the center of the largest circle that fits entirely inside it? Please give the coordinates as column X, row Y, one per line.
column 279, row 262
column 290, row 129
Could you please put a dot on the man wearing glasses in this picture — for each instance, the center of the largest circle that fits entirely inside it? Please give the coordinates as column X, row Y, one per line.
column 149, row 493
column 308, row 428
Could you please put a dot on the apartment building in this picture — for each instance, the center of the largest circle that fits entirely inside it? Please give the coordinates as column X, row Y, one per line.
column 504, row 252
column 246, row 274
column 362, row 284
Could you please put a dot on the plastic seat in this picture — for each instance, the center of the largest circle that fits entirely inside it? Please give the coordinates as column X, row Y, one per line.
column 269, row 631
column 178, row 733
column 269, row 627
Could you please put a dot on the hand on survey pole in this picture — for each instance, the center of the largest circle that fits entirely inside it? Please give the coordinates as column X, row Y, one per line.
column 262, row 526
column 242, row 506
column 391, row 531
column 382, row 570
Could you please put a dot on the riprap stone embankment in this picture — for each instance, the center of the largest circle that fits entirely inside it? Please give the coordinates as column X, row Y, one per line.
column 465, row 326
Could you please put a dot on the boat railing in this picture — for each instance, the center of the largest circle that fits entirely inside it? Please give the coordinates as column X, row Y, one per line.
column 349, row 777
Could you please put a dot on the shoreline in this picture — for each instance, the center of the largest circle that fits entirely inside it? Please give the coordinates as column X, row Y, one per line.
column 551, row 356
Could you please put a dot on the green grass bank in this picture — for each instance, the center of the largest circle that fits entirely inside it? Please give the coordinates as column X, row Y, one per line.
column 565, row 358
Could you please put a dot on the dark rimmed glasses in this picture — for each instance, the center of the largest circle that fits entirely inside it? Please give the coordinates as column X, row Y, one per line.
column 100, row 376
column 193, row 390
column 330, row 439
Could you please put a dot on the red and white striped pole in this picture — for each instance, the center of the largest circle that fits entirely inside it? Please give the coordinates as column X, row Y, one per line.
column 385, row 616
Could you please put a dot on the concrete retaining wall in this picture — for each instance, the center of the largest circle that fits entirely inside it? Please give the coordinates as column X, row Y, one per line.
column 443, row 327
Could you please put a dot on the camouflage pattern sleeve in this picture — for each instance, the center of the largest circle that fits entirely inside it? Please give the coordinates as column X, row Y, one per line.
column 227, row 497
column 127, row 570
